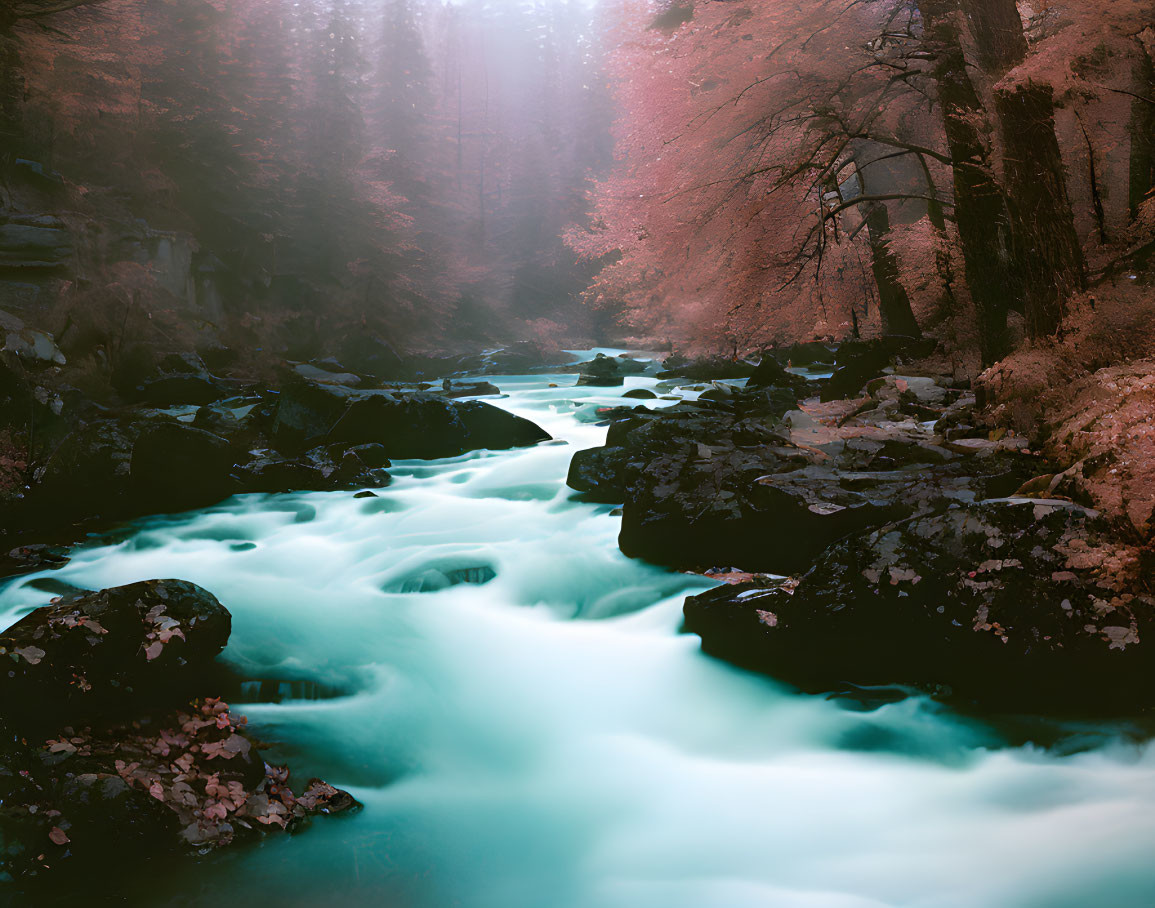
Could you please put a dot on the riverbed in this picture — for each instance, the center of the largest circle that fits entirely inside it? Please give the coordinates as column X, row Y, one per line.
column 512, row 700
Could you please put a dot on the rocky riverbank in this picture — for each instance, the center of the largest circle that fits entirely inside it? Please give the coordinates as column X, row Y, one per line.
column 112, row 709
column 895, row 535
column 114, row 731
column 174, row 435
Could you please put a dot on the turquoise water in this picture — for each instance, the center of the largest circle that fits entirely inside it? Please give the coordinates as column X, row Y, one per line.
column 547, row 739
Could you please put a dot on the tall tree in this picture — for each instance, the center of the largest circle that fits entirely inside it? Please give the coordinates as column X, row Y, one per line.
column 981, row 209
column 402, row 96
column 1046, row 248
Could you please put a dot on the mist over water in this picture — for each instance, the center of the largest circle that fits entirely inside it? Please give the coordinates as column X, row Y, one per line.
column 526, row 727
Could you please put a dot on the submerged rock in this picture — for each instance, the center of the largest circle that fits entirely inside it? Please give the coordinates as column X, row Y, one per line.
column 1014, row 603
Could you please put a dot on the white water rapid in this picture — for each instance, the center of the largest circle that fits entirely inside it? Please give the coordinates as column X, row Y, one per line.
column 548, row 739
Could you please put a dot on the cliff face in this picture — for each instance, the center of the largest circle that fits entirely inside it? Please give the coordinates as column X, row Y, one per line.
column 96, row 247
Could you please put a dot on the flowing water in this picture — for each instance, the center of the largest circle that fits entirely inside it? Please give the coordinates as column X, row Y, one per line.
column 512, row 701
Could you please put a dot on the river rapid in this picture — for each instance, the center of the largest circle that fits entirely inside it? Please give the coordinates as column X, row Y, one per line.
column 471, row 656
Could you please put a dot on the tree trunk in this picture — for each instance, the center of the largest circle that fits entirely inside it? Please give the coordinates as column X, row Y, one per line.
column 1043, row 227
column 981, row 211
column 893, row 302
column 1045, row 245
column 998, row 32
column 1142, row 177
column 11, row 88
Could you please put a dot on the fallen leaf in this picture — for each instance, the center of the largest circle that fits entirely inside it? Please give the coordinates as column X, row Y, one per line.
column 31, row 654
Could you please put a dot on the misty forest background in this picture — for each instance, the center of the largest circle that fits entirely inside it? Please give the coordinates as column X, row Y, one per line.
column 267, row 178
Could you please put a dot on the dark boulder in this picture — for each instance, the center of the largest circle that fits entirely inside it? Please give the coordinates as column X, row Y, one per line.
column 728, row 504
column 408, row 426
column 860, row 361
column 88, row 473
column 176, row 467
column 706, row 368
column 638, row 438
column 1017, row 604
column 172, row 380
column 770, row 373
column 175, row 390
column 469, row 389
column 524, row 356
column 328, row 372
column 106, row 654
column 602, row 371
column 497, row 429
column 30, row 244
column 332, row 468
column 640, row 394
column 271, row 472
column 367, row 355
column 800, row 355
column 746, row 479
column 107, row 758
column 306, row 412
column 131, row 465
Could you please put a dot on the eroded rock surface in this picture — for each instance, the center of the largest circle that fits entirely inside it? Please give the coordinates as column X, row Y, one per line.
column 107, row 754
column 1014, row 603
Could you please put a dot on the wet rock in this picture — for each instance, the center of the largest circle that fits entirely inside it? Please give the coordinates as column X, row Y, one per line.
column 371, row 455
column 770, row 373
column 469, row 389
column 706, row 368
column 602, row 371
column 496, row 429
column 721, row 504
column 333, row 468
column 639, row 438
column 33, row 557
column 514, row 359
column 272, row 473
column 35, row 349
column 174, row 390
column 1012, row 603
column 861, row 361
column 175, row 379
column 306, row 412
column 106, row 654
column 640, row 394
column 88, row 472
column 366, row 355
column 90, row 801
column 131, row 465
column 801, row 355
column 421, row 426
column 327, row 376
column 180, row 467
column 32, row 243
column 748, row 479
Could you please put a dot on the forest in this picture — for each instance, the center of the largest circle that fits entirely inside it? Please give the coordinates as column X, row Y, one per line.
column 577, row 452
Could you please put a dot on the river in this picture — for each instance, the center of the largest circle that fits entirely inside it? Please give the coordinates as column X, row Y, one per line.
column 512, row 701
